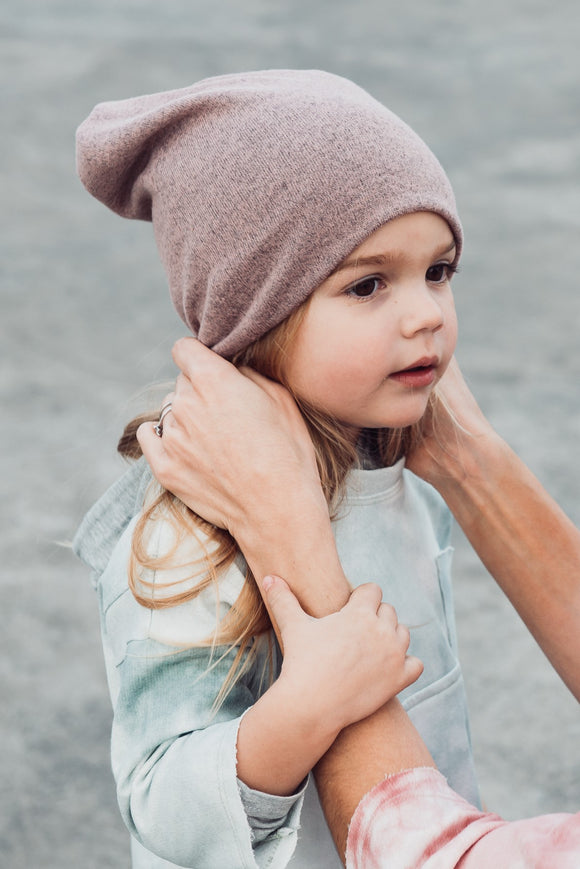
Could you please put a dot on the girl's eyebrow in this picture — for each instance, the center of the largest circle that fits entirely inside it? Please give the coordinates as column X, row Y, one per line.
column 354, row 262
column 382, row 259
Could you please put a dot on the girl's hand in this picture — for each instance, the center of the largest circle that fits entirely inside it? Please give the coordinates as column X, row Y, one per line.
column 345, row 666
column 337, row 670
column 234, row 447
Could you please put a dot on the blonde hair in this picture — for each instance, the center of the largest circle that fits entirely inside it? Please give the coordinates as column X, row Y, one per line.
column 247, row 620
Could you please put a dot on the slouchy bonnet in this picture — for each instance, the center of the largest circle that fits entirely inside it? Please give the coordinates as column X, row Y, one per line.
column 258, row 185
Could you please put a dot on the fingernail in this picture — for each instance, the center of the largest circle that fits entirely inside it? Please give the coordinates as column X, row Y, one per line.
column 268, row 582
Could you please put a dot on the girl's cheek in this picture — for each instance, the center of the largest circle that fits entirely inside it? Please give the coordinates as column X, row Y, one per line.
column 452, row 327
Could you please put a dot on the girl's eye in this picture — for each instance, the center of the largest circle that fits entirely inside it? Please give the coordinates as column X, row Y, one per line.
column 366, row 288
column 440, row 272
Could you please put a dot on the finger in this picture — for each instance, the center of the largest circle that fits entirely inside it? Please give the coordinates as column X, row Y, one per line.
column 271, row 387
column 187, row 401
column 165, row 411
column 183, row 385
column 404, row 635
column 281, row 602
column 195, row 359
column 168, row 399
column 366, row 596
column 151, row 444
column 412, row 669
column 265, row 383
column 185, row 353
column 148, row 440
column 388, row 614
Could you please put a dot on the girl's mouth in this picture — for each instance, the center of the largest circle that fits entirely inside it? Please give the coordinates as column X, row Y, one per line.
column 419, row 375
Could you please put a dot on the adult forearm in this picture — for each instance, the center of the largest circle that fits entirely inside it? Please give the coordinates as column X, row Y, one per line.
column 362, row 755
column 298, row 544
column 524, row 539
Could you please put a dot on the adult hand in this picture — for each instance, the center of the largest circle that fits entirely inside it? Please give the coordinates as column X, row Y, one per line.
column 235, row 447
column 450, row 433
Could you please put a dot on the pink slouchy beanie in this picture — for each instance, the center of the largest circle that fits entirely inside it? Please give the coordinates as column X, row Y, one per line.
column 258, row 185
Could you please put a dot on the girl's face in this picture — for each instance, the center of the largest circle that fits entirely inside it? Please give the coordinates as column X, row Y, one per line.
column 380, row 331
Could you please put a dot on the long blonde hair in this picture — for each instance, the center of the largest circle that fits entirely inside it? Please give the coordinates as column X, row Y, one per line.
column 247, row 620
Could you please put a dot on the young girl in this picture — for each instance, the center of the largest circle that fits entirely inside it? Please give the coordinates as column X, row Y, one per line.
column 309, row 234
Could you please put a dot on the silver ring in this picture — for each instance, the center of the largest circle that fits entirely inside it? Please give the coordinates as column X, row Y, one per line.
column 158, row 429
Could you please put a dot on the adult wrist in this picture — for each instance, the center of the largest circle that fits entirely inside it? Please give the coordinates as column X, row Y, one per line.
column 297, row 543
column 472, row 482
column 470, row 459
column 274, row 524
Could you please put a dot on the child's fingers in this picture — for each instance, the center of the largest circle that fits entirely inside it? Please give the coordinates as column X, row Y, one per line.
column 370, row 596
column 404, row 635
column 282, row 603
column 367, row 595
column 412, row 669
column 388, row 615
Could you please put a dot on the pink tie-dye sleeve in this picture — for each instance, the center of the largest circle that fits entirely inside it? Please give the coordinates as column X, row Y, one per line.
column 414, row 819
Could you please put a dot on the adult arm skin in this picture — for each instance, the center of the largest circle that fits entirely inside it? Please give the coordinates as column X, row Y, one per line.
column 521, row 535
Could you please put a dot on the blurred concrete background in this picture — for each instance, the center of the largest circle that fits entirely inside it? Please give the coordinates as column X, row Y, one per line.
column 86, row 324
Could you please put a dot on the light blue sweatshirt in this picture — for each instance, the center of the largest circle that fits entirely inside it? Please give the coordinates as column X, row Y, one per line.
column 173, row 761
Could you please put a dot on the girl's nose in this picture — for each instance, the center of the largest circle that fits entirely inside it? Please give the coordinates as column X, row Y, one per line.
column 422, row 312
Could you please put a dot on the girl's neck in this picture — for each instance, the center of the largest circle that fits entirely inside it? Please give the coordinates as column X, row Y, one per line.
column 367, row 447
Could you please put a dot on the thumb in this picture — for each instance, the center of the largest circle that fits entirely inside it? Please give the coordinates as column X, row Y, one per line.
column 282, row 604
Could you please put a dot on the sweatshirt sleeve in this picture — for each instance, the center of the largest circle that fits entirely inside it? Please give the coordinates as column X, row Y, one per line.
column 266, row 813
column 414, row 819
column 175, row 763
column 173, row 754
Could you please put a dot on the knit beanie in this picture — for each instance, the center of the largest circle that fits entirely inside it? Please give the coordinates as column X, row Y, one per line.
column 258, row 185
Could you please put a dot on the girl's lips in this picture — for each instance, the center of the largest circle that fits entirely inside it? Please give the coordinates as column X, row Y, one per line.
column 420, row 375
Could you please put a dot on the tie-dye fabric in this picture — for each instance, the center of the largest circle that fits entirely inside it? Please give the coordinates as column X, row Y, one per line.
column 414, row 819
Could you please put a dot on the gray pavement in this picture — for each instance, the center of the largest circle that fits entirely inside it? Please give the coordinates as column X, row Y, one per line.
column 86, row 324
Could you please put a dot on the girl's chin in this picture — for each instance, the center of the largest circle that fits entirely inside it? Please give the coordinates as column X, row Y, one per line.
column 388, row 417
column 376, row 423
column 402, row 420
